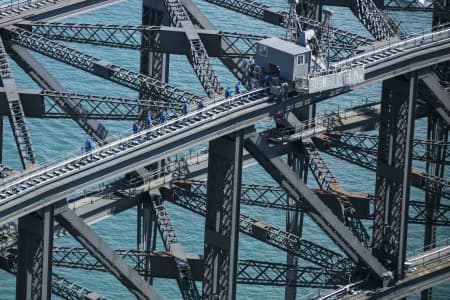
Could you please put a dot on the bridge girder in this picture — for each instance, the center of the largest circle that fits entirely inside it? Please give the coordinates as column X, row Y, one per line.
column 235, row 59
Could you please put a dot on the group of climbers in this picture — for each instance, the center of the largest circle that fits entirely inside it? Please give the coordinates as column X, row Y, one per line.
column 252, row 83
column 148, row 121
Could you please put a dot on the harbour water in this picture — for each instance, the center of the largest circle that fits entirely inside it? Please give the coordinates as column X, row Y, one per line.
column 57, row 138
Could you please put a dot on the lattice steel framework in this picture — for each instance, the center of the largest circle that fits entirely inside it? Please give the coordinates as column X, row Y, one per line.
column 26, row 246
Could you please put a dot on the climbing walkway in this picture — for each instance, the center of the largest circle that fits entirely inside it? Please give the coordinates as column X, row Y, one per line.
column 106, row 158
column 18, row 7
column 34, row 181
column 14, row 10
column 429, row 267
column 364, row 115
column 356, row 70
column 424, row 256
column 393, row 48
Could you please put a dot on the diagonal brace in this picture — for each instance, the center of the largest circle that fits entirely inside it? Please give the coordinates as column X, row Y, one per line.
column 323, row 216
column 105, row 254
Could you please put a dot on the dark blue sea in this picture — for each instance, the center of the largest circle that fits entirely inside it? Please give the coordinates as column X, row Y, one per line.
column 54, row 139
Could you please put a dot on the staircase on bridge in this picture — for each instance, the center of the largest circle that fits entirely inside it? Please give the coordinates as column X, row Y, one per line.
column 16, row 112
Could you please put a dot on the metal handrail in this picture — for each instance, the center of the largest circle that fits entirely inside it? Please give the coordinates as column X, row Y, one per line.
column 410, row 44
column 139, row 139
column 445, row 242
column 322, row 120
column 429, row 254
column 20, row 4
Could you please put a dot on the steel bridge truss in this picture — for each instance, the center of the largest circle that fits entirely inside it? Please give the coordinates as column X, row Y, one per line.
column 275, row 197
column 359, row 151
column 104, row 107
column 16, row 112
column 60, row 286
column 29, row 251
column 249, row 271
column 341, row 43
column 265, row 232
column 415, row 5
column 99, row 67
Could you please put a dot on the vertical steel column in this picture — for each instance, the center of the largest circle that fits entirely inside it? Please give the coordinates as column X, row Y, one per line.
column 222, row 217
column 1, row 139
column 307, row 9
column 379, row 3
column 439, row 18
column 437, row 131
column 294, row 220
column 146, row 231
column 394, row 171
column 155, row 64
column 442, row 17
column 34, row 265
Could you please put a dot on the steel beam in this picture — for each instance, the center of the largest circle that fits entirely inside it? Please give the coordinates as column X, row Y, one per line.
column 134, row 80
column 249, row 271
column 222, row 217
column 436, row 94
column 70, row 290
column 345, row 43
column 322, row 215
column 152, row 63
column 343, row 208
column 197, row 55
column 266, row 233
column 363, row 156
column 128, row 37
column 8, row 238
column 294, row 216
column 46, row 81
column 436, row 6
column 146, row 233
column 422, row 278
column 441, row 17
column 246, row 109
column 441, row 20
column 16, row 112
column 105, row 255
column 381, row 26
column 1, row 139
column 323, row 175
column 32, row 102
column 101, row 107
column 369, row 144
column 237, row 66
column 34, row 264
column 168, row 235
column 269, row 273
column 437, row 131
column 394, row 172
column 60, row 286
column 275, row 197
